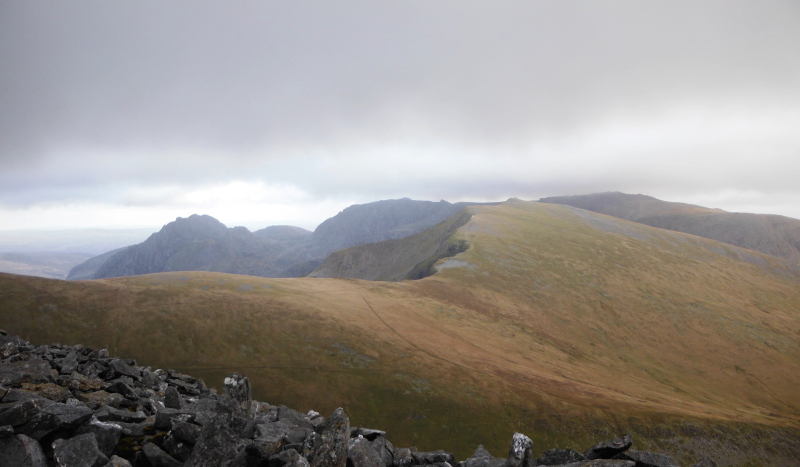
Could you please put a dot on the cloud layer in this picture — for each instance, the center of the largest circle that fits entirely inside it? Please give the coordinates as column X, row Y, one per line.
column 130, row 113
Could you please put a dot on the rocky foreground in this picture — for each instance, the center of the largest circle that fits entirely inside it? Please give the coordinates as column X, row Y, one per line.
column 74, row 406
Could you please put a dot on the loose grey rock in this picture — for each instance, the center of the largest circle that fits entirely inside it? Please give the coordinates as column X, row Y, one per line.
column 483, row 458
column 6, row 431
column 361, row 453
column 117, row 415
column 21, row 451
column 609, row 449
column 172, row 399
column 157, row 457
column 176, row 448
column 559, row 456
column 70, row 363
column 33, row 370
column 185, row 431
column 121, row 367
column 647, row 459
column 54, row 417
column 106, row 434
column 330, row 447
column 217, row 446
column 519, row 453
column 434, row 457
column 78, row 451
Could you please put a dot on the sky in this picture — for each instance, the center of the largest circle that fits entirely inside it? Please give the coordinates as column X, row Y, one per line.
column 130, row 114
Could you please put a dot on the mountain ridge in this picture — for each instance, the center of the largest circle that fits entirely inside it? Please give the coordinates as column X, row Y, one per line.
column 768, row 233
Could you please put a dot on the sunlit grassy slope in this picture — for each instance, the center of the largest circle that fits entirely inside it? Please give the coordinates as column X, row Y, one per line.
column 561, row 323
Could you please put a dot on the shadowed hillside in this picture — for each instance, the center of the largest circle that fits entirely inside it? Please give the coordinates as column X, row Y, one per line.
column 771, row 234
column 560, row 323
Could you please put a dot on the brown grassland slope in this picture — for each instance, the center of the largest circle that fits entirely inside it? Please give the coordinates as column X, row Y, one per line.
column 567, row 325
column 768, row 233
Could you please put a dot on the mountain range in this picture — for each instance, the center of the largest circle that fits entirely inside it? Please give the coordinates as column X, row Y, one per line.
column 202, row 243
column 559, row 322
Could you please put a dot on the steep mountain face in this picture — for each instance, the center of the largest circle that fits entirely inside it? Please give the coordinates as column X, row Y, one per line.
column 201, row 243
column 771, row 234
column 556, row 322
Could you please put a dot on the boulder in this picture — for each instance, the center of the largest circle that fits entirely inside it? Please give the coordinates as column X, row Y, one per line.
column 361, row 453
column 520, row 451
column 20, row 413
column 69, row 363
column 55, row 417
column 158, row 458
column 106, row 434
column 78, row 451
column 559, row 456
column 402, row 457
column 330, row 446
column 217, row 446
column 172, row 399
column 609, row 449
column 705, row 461
column 122, row 368
column 185, row 431
column 647, row 459
column 32, row 370
column 21, row 451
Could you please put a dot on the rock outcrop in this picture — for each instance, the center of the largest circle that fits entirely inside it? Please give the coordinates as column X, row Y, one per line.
column 74, row 406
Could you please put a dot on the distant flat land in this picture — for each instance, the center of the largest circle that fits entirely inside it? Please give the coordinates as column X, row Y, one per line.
column 567, row 325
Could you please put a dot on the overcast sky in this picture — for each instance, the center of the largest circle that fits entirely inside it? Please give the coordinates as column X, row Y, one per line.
column 133, row 113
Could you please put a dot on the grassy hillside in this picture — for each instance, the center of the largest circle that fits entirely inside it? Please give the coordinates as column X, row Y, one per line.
column 771, row 234
column 567, row 325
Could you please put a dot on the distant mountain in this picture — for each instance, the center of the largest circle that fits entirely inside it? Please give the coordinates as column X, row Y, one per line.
column 768, row 233
column 202, row 243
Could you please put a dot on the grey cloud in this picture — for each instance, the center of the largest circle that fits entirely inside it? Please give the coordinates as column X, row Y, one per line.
column 98, row 96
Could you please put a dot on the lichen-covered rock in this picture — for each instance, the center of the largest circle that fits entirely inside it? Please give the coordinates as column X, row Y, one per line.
column 21, row 451
column 647, row 459
column 330, row 446
column 78, row 451
column 559, row 457
column 520, row 451
column 609, row 449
